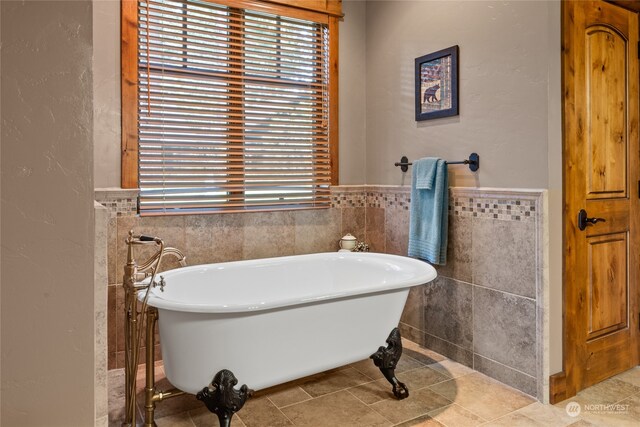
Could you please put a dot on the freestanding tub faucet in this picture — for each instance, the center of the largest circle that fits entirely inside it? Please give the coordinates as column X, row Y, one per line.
column 141, row 278
column 178, row 254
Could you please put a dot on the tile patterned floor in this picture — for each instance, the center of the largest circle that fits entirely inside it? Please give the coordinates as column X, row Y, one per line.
column 442, row 393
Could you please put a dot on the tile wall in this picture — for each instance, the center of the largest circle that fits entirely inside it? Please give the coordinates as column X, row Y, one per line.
column 484, row 310
column 100, row 320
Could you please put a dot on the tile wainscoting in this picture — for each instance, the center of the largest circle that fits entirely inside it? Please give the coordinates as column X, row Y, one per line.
column 100, row 387
column 484, row 310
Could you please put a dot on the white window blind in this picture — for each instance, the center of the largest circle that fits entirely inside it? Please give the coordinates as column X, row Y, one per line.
column 233, row 109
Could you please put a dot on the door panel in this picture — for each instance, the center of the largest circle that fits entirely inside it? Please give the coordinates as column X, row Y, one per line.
column 606, row 62
column 601, row 157
column 607, row 290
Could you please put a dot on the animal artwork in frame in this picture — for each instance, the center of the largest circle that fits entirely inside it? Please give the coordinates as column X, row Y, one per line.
column 437, row 84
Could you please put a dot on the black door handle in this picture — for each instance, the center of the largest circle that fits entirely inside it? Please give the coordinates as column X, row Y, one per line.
column 583, row 220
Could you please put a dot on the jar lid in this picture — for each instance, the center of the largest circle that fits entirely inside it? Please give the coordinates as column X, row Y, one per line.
column 348, row 236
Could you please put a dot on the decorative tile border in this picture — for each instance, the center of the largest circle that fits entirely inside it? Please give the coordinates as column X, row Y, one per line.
column 501, row 204
column 348, row 196
column 500, row 209
column 120, row 202
column 498, row 204
column 124, row 202
column 487, row 203
column 387, row 200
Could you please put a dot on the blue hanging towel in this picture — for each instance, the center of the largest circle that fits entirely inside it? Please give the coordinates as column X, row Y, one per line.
column 429, row 215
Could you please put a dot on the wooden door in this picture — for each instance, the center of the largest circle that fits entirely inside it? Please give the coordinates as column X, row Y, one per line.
column 601, row 158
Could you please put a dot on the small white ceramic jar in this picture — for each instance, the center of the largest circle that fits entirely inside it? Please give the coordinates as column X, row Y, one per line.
column 348, row 242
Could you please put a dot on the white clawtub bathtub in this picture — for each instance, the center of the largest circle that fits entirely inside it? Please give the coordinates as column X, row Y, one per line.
column 274, row 320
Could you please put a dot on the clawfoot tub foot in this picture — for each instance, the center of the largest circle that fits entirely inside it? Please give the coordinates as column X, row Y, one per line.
column 386, row 358
column 222, row 399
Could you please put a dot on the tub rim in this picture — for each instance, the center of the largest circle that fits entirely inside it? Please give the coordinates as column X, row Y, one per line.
column 425, row 273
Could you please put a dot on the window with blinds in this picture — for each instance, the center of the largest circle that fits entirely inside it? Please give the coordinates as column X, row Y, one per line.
column 233, row 109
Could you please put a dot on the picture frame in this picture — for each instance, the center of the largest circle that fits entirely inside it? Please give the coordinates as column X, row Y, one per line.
column 436, row 81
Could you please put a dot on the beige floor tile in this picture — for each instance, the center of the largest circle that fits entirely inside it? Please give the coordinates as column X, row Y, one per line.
column 176, row 420
column 605, row 393
column 583, row 423
column 604, row 421
column 368, row 368
column 418, row 403
column 340, row 393
column 482, row 395
column 416, row 379
column 203, row 418
column 515, row 419
column 451, row 369
column 622, row 414
column 421, row 354
column 373, row 392
column 334, row 381
column 423, row 421
column 288, row 396
column 547, row 414
column 260, row 412
column 333, row 410
column 456, row 416
column 407, row 363
column 631, row 376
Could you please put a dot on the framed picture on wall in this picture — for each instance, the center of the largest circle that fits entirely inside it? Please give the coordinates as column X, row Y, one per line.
column 437, row 84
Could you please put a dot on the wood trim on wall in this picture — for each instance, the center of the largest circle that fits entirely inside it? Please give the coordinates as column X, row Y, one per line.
column 291, row 9
column 333, row 101
column 568, row 93
column 330, row 7
column 557, row 388
column 129, row 93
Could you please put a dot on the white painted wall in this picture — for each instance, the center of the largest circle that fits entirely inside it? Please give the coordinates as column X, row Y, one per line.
column 106, row 93
column 554, row 186
column 503, row 81
column 47, row 358
column 352, row 104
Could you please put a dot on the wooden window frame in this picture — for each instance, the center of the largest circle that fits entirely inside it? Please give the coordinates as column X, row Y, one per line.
column 321, row 11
